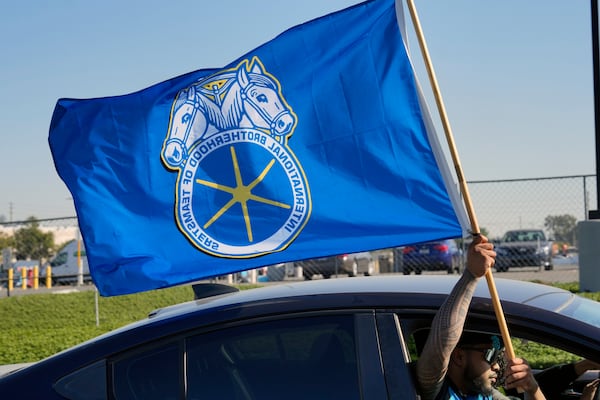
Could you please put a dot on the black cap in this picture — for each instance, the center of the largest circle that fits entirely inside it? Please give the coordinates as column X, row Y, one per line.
column 471, row 338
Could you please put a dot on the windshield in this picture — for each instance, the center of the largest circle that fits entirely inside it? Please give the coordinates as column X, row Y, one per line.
column 584, row 310
column 523, row 236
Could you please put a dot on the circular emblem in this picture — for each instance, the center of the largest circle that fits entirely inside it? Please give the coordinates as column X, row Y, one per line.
column 241, row 193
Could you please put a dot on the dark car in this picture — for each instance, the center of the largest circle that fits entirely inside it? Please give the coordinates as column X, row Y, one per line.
column 431, row 256
column 524, row 248
column 352, row 264
column 348, row 338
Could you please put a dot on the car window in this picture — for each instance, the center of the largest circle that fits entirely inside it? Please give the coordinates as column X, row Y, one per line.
column 312, row 358
column 152, row 374
column 60, row 259
column 548, row 363
column 87, row 383
column 294, row 358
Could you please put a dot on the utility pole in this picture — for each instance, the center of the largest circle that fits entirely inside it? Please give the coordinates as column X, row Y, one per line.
column 10, row 212
column 595, row 214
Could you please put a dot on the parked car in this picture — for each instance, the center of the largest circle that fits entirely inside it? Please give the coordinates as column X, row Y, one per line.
column 431, row 256
column 351, row 264
column 65, row 265
column 326, row 339
column 523, row 248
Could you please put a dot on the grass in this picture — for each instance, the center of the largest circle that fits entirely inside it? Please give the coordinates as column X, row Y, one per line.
column 37, row 326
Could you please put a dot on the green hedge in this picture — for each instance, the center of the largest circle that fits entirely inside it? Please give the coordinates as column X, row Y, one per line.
column 36, row 326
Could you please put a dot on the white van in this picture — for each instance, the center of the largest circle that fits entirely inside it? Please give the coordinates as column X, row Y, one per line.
column 65, row 265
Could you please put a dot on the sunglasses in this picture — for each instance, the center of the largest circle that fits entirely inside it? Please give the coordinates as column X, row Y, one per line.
column 492, row 356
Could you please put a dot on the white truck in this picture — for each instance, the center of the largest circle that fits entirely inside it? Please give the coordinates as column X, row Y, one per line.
column 65, row 265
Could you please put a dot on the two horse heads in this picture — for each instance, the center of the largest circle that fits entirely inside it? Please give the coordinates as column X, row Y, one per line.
column 242, row 99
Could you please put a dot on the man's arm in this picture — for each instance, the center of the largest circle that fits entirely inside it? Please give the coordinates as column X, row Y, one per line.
column 446, row 329
column 447, row 326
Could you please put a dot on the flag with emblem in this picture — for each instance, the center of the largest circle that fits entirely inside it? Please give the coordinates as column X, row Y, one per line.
column 316, row 143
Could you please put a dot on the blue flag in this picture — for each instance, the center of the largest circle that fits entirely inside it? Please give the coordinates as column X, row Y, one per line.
column 315, row 143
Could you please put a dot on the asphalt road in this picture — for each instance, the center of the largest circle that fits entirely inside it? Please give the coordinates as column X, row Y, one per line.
column 561, row 275
column 55, row 289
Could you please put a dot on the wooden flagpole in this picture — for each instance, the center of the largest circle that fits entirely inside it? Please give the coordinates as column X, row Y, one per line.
column 463, row 184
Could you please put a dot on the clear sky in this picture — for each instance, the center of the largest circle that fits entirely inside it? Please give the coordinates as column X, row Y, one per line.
column 516, row 76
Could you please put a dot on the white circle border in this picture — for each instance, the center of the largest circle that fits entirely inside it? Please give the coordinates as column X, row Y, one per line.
column 296, row 219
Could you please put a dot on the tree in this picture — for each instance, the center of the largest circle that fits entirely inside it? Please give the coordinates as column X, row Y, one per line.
column 6, row 241
column 31, row 243
column 562, row 227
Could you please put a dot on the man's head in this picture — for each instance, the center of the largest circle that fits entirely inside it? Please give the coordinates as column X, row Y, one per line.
column 475, row 362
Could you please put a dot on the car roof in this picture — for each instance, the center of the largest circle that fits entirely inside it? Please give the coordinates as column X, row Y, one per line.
column 414, row 292
column 420, row 294
column 542, row 296
column 525, row 230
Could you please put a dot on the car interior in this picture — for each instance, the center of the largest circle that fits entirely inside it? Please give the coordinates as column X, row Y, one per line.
column 548, row 380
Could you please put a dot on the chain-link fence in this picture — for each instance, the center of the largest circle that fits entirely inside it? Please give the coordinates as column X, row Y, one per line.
column 504, row 205
column 520, row 205
column 63, row 229
column 500, row 205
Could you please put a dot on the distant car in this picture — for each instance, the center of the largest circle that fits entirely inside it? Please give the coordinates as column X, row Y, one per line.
column 523, row 248
column 442, row 255
column 348, row 264
column 348, row 338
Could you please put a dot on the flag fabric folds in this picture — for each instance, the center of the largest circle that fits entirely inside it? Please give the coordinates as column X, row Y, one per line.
column 315, row 143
